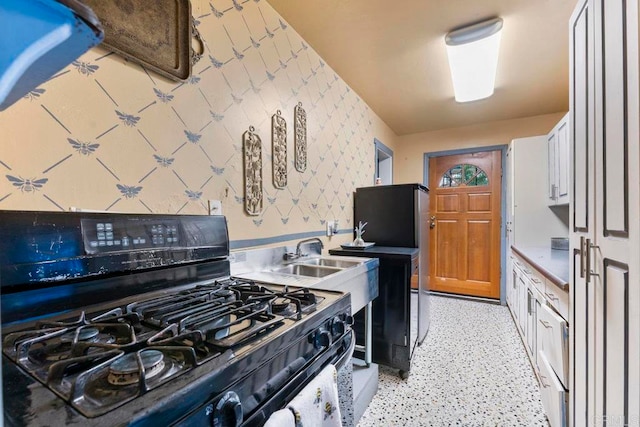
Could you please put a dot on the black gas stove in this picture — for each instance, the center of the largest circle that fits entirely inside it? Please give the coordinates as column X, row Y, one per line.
column 134, row 320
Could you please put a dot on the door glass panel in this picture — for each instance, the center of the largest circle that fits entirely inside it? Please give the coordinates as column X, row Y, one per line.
column 464, row 175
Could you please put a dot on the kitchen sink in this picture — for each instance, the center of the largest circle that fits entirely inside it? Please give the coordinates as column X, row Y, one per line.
column 307, row 270
column 331, row 262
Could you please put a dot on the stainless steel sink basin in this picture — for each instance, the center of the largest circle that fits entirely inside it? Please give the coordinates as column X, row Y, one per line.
column 307, row 270
column 331, row 262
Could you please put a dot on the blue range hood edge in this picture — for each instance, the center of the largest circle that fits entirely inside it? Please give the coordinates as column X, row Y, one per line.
column 38, row 38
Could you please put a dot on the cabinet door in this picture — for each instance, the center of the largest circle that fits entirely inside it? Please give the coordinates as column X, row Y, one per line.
column 615, row 256
column 514, row 291
column 552, row 146
column 522, row 306
column 562, row 162
column 606, row 267
column 554, row 337
column 552, row 394
column 531, row 321
column 582, row 210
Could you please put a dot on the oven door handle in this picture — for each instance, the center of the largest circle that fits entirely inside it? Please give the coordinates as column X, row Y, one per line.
column 347, row 354
column 296, row 383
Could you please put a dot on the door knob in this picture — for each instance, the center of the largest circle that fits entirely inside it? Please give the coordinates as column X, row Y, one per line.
column 432, row 222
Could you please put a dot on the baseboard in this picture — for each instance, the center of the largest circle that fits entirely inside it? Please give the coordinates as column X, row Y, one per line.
column 466, row 297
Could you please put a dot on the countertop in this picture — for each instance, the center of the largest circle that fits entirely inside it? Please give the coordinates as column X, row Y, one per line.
column 387, row 252
column 553, row 264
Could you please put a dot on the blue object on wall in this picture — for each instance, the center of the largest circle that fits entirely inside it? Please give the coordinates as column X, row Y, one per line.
column 38, row 38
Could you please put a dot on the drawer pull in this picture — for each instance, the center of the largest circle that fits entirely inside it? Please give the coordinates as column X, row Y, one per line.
column 545, row 324
column 552, row 297
column 542, row 378
column 536, row 280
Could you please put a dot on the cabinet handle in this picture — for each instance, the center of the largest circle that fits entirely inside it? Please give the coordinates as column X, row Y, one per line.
column 545, row 324
column 588, row 247
column 536, row 280
column 553, row 192
column 552, row 297
column 542, row 381
column 582, row 251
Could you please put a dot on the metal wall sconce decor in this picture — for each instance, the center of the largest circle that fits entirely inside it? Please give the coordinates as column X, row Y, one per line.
column 300, row 128
column 252, row 161
column 279, row 150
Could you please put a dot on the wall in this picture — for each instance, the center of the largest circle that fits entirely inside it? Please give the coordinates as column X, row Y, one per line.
column 409, row 154
column 106, row 134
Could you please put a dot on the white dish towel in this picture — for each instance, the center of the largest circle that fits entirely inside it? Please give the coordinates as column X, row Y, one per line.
column 281, row 418
column 317, row 404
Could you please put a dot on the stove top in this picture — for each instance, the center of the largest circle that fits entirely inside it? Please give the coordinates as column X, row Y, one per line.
column 99, row 361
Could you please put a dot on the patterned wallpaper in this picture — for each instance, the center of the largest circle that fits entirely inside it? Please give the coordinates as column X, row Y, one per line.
column 106, row 134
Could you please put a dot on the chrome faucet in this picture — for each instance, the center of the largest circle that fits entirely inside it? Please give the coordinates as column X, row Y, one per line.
column 299, row 254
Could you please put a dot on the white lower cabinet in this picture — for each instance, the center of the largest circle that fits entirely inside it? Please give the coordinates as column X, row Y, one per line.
column 538, row 307
column 554, row 342
column 553, row 394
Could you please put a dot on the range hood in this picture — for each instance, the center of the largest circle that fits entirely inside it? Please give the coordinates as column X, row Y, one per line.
column 39, row 38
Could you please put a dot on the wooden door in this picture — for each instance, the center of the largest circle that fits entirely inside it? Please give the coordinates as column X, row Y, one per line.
column 465, row 202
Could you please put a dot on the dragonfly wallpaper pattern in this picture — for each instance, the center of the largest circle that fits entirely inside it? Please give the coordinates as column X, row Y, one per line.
column 105, row 134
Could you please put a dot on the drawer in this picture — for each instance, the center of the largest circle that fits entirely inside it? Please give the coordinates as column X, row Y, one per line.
column 554, row 398
column 558, row 299
column 537, row 280
column 534, row 276
column 553, row 335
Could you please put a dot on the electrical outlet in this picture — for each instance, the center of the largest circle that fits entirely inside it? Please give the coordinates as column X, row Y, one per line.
column 215, row 207
column 330, row 228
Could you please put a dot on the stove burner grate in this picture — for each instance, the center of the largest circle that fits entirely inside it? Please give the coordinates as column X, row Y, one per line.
column 127, row 369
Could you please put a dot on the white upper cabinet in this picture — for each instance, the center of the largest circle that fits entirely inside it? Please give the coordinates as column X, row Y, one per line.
column 558, row 151
column 529, row 220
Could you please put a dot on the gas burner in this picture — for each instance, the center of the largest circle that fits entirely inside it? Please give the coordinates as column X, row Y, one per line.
column 284, row 306
column 84, row 334
column 126, row 371
column 223, row 293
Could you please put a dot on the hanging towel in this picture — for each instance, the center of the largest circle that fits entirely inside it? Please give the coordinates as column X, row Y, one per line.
column 281, row 418
column 317, row 404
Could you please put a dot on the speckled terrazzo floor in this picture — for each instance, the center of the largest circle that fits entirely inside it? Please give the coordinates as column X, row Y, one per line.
column 471, row 370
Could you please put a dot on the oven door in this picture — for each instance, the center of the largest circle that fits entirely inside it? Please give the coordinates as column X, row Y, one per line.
column 250, row 403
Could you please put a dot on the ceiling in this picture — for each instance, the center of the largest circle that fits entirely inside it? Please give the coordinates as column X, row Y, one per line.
column 393, row 55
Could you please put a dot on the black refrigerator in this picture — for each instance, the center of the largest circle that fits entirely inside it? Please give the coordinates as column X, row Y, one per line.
column 398, row 224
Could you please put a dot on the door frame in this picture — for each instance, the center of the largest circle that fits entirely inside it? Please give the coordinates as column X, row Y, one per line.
column 503, row 203
column 382, row 152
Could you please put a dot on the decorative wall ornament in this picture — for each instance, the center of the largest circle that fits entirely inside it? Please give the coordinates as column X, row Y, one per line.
column 300, row 127
column 252, row 154
column 279, row 150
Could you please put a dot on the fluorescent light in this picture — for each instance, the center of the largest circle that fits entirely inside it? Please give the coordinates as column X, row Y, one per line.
column 473, row 59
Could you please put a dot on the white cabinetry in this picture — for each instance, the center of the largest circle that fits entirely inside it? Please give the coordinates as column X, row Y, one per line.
column 529, row 222
column 554, row 397
column 604, row 212
column 558, row 152
column 544, row 329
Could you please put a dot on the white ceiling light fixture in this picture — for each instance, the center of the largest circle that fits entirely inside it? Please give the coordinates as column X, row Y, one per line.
column 473, row 59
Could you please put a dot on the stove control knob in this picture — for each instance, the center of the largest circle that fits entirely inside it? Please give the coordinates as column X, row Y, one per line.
column 228, row 411
column 321, row 338
column 337, row 326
